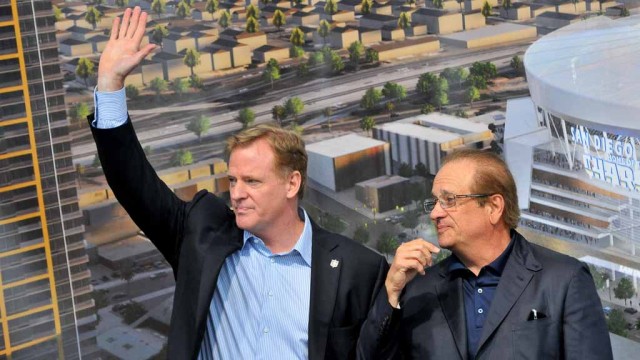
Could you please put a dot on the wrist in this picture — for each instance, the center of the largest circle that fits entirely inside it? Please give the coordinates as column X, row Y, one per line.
column 108, row 84
column 393, row 297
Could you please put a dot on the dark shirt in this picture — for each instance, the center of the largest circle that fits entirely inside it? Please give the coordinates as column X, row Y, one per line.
column 478, row 294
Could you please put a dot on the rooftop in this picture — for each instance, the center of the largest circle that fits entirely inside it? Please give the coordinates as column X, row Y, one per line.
column 382, row 181
column 343, row 145
column 419, row 132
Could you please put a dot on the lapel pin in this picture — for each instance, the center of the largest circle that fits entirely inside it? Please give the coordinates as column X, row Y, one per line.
column 334, row 263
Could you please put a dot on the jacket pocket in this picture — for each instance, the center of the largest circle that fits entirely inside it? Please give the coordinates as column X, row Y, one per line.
column 341, row 342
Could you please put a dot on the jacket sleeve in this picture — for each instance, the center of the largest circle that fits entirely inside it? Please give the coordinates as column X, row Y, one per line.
column 151, row 204
column 586, row 335
column 379, row 336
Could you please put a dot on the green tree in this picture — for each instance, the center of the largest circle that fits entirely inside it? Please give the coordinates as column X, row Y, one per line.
column 79, row 112
column 132, row 311
column 367, row 123
column 253, row 12
column 195, row 82
column 225, row 19
column 199, row 126
column 405, row 170
column 370, row 99
column 356, row 51
column 394, row 91
column 127, row 274
column 366, row 6
column 455, row 77
column 332, row 223
column 427, row 109
column 616, row 323
column 278, row 113
column 303, row 69
column 191, row 59
column 57, row 13
column 361, row 234
column 158, row 34
column 517, row 65
column 179, row 86
column 159, row 7
column 331, row 7
column 182, row 157
column 437, row 4
column 297, row 37
column 404, row 20
column 296, row 52
column 337, row 65
column 486, row 70
column 624, row 13
column 421, row 170
column 183, row 10
column 506, row 5
column 294, row 107
column 323, row 30
column 599, row 279
column 85, row 69
column 390, row 106
column 477, row 81
column 387, row 244
column 271, row 71
column 486, row 9
column 316, row 58
column 434, row 88
column 246, row 116
column 371, row 55
column 252, row 25
column 93, row 16
column 624, row 290
column 121, row 3
column 158, row 85
column 212, row 7
column 132, row 91
column 101, row 299
column 472, row 94
column 279, row 19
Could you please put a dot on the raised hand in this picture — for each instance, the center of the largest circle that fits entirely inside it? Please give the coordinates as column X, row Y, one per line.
column 411, row 258
column 123, row 53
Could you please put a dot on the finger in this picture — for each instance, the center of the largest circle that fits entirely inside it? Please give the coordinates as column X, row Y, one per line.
column 114, row 29
column 140, row 28
column 125, row 23
column 140, row 55
column 133, row 23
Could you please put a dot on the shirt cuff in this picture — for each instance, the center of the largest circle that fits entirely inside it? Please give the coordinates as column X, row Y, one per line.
column 112, row 106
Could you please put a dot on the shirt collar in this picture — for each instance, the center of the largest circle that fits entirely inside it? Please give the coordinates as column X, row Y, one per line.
column 496, row 266
column 302, row 246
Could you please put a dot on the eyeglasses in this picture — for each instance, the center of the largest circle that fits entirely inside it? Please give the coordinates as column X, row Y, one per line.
column 448, row 201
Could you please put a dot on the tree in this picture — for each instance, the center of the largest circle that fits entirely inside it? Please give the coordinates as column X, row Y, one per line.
column 271, row 71
column 132, row 91
column 158, row 34
column 296, row 52
column 279, row 19
column 246, row 116
column 303, row 69
column 427, row 109
column 404, row 20
column 278, row 113
column 100, row 297
column 387, row 244
column 316, row 58
column 486, row 9
column 212, row 7
column 624, row 12
column 332, row 223
column 85, row 69
column 294, row 107
column 410, row 219
column 506, row 5
column 179, row 86
column 158, row 85
column 517, row 65
column 183, row 10
column 323, row 30
column 182, row 157
column 365, row 6
column 225, row 19
column 93, row 16
column 253, row 12
column 121, row 3
column 486, row 70
column 331, row 7
column 394, row 91
column 371, row 55
column 472, row 94
column 599, row 279
column 477, row 81
column 356, row 51
column 616, row 323
column 337, row 65
column 437, row 4
column 575, row 4
column 297, row 37
column 367, row 123
column 191, row 59
column 361, row 234
column 57, row 13
column 405, row 170
column 199, row 126
column 421, row 170
column 370, row 99
column 252, row 25
column 455, row 77
column 79, row 112
column 390, row 106
column 159, row 7
column 132, row 312
column 195, row 82
column 127, row 274
column 434, row 89
column 624, row 290
column 417, row 193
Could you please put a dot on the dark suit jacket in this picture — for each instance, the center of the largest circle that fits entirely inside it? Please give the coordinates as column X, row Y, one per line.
column 196, row 236
column 431, row 321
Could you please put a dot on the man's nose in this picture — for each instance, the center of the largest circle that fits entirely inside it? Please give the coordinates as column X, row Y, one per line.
column 237, row 191
column 437, row 212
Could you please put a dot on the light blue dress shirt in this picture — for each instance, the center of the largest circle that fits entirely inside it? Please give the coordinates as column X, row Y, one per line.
column 260, row 308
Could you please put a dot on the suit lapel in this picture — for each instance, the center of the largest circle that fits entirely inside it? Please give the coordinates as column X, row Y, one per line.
column 452, row 303
column 325, row 276
column 515, row 277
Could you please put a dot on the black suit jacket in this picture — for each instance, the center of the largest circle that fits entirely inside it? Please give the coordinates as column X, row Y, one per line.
column 196, row 237
column 431, row 321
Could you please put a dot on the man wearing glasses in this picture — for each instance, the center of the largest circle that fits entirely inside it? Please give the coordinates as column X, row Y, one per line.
column 497, row 296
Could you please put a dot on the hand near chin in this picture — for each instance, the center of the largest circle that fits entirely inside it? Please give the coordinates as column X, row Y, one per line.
column 122, row 52
column 411, row 259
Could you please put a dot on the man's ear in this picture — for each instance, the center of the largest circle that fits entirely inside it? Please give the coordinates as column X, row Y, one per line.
column 294, row 179
column 495, row 206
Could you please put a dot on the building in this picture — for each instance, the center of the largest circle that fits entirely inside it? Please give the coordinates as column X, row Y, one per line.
column 383, row 193
column 573, row 146
column 438, row 21
column 46, row 296
column 340, row 163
